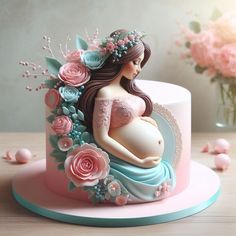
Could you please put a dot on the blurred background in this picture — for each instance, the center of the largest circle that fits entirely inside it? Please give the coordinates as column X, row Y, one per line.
column 23, row 23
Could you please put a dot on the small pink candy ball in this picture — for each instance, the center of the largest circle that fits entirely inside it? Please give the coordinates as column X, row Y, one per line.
column 23, row 155
column 221, row 146
column 222, row 161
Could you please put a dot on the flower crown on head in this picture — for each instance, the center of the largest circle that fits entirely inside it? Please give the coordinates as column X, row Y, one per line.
column 118, row 44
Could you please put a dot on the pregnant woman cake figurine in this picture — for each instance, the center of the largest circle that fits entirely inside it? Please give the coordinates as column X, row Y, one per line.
column 101, row 128
column 117, row 113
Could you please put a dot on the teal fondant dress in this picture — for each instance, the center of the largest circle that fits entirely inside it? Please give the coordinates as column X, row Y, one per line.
column 142, row 184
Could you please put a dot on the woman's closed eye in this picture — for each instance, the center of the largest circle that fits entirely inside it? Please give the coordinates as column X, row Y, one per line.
column 136, row 62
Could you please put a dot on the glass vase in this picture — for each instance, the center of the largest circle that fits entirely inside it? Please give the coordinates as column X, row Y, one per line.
column 226, row 109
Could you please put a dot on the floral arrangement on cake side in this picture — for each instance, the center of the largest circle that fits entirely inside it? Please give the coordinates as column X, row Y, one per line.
column 85, row 164
column 211, row 49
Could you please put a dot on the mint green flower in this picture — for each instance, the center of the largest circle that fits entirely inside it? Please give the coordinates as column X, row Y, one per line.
column 93, row 59
column 69, row 94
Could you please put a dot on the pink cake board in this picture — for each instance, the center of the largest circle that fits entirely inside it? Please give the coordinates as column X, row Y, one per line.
column 30, row 191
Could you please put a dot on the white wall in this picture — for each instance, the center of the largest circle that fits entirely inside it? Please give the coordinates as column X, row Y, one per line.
column 23, row 23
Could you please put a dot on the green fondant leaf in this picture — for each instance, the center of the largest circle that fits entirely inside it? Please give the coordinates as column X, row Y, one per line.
column 61, row 166
column 77, row 142
column 53, row 141
column 50, row 118
column 199, row 69
column 81, row 128
column 71, row 186
column 72, row 109
column 65, row 110
column 51, row 82
column 81, row 44
column 74, row 116
column 195, row 26
column 72, row 148
column 216, row 14
column 85, row 137
column 59, row 155
column 53, row 65
column 80, row 115
column 54, row 111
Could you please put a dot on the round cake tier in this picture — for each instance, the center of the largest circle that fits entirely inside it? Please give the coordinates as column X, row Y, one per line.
column 176, row 101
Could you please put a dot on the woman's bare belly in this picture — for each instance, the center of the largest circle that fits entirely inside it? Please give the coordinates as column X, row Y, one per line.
column 139, row 137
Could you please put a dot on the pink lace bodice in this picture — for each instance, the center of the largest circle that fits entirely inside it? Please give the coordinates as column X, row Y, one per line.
column 116, row 112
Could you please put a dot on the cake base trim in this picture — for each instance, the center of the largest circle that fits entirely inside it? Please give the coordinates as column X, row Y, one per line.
column 203, row 190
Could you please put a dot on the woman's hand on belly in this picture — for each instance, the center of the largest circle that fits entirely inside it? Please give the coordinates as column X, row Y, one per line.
column 149, row 120
column 150, row 162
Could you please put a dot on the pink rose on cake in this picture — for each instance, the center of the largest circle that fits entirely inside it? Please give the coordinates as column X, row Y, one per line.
column 74, row 56
column 62, row 125
column 74, row 74
column 86, row 165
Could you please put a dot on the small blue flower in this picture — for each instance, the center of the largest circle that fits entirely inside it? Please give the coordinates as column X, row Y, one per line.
column 93, row 59
column 69, row 94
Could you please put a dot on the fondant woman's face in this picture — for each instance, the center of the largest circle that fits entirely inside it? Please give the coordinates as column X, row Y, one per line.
column 132, row 68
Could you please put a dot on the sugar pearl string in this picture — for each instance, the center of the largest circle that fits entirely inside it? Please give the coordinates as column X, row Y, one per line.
column 33, row 67
column 47, row 47
column 93, row 39
column 41, row 86
column 66, row 47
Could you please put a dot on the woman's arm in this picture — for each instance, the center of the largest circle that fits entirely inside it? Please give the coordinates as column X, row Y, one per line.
column 101, row 124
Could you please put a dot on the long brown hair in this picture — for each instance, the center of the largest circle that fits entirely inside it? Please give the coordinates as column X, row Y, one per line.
column 105, row 75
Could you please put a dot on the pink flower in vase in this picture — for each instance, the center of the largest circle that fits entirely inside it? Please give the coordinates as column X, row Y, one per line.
column 52, row 98
column 202, row 48
column 225, row 61
column 74, row 74
column 86, row 165
column 225, row 28
column 62, row 125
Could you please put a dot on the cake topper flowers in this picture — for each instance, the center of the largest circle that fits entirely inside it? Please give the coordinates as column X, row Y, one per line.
column 211, row 49
column 120, row 42
column 90, row 54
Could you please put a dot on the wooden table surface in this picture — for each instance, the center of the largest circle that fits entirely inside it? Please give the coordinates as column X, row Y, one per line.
column 218, row 219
